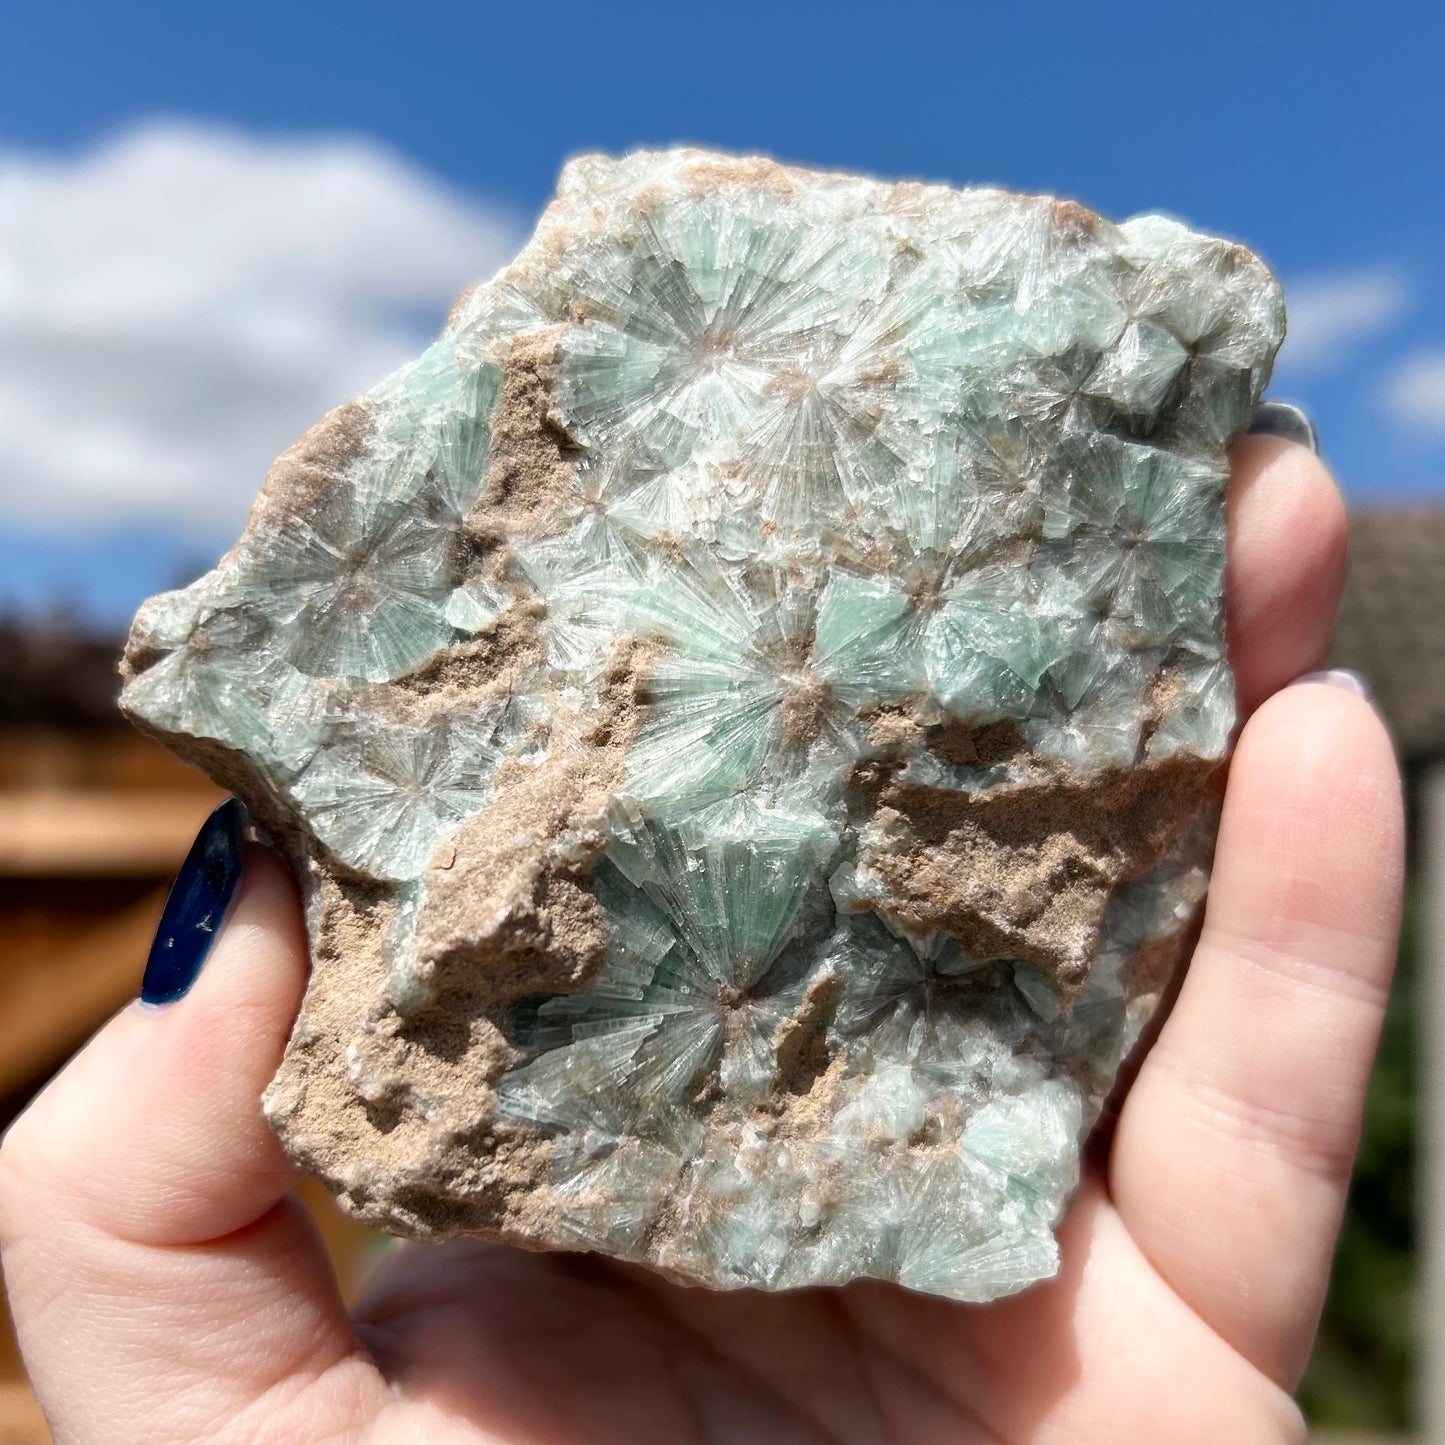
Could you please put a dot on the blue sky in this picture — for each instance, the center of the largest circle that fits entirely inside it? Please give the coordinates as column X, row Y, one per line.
column 1317, row 141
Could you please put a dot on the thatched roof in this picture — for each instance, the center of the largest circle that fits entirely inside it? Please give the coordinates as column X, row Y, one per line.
column 1391, row 626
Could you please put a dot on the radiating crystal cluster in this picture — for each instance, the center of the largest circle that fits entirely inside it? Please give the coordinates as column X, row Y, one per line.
column 747, row 709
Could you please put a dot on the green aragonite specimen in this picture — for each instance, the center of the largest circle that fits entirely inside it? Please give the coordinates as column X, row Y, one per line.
column 747, row 708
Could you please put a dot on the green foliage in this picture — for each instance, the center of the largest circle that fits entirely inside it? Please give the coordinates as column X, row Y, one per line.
column 1361, row 1373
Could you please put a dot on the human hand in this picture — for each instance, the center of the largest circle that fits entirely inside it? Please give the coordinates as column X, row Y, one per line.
column 166, row 1288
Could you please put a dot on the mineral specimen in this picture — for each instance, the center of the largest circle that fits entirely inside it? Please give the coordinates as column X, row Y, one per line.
column 747, row 708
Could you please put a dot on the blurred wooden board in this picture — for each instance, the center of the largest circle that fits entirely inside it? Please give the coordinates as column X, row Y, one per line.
column 110, row 758
column 61, row 833
column 21, row 1422
column 47, row 1012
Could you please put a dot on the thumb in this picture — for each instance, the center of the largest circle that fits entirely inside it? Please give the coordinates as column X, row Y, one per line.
column 164, row 1285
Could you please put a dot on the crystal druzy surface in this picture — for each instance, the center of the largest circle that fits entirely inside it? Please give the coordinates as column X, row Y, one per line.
column 747, row 708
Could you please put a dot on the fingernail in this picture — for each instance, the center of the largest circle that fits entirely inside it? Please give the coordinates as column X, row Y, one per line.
column 1283, row 419
column 196, row 906
column 1340, row 677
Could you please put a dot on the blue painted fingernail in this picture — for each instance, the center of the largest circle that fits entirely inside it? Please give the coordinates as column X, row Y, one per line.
column 196, row 906
column 1284, row 419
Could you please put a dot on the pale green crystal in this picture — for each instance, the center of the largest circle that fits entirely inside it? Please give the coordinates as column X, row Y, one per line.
column 900, row 512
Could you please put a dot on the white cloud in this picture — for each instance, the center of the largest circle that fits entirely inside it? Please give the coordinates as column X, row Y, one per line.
column 1414, row 392
column 1331, row 314
column 180, row 303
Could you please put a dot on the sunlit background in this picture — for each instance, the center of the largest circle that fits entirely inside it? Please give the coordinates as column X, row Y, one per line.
column 216, row 222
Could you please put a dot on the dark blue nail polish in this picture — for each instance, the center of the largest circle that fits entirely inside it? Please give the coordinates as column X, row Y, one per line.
column 196, row 906
column 1284, row 419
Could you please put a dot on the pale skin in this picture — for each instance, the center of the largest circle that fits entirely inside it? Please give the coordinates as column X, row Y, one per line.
column 167, row 1288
